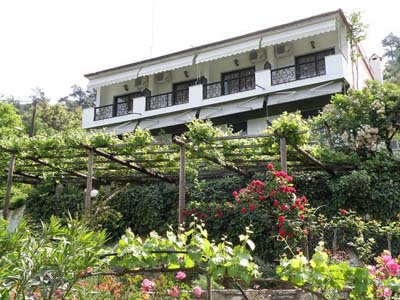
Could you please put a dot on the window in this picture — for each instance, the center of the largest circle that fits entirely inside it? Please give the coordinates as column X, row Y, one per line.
column 181, row 91
column 123, row 104
column 238, row 81
column 312, row 65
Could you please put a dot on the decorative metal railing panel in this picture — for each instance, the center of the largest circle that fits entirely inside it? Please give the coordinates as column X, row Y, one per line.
column 159, row 101
column 113, row 110
column 298, row 72
column 230, row 86
column 283, row 75
column 123, row 109
column 167, row 99
column 103, row 112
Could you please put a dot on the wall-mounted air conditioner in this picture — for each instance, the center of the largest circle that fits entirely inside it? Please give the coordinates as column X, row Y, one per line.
column 283, row 50
column 256, row 56
column 142, row 82
column 163, row 77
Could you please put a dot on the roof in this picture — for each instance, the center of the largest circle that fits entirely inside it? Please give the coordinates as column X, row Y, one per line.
column 195, row 50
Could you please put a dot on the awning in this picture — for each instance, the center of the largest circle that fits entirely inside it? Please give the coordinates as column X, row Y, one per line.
column 122, row 128
column 313, row 91
column 166, row 66
column 231, row 108
column 299, row 33
column 168, row 120
column 142, row 71
column 225, row 51
column 112, row 79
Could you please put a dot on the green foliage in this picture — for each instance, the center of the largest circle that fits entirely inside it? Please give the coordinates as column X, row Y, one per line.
column 362, row 120
column 328, row 279
column 146, row 207
column 289, row 125
column 10, row 121
column 190, row 249
column 43, row 202
column 391, row 44
column 48, row 262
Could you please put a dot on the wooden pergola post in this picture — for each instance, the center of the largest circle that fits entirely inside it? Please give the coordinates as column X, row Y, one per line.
column 10, row 174
column 182, row 180
column 282, row 148
column 89, row 185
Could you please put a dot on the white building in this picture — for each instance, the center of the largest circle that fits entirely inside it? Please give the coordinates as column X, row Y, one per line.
column 243, row 81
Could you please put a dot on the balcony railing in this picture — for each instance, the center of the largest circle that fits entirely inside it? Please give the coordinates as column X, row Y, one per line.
column 298, row 71
column 230, row 86
column 167, row 99
column 113, row 110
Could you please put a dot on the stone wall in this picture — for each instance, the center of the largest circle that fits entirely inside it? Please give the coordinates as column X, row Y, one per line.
column 289, row 294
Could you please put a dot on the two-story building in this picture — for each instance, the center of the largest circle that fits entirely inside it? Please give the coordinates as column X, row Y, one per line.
column 242, row 81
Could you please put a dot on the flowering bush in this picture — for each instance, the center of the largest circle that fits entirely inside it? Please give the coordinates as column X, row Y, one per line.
column 275, row 195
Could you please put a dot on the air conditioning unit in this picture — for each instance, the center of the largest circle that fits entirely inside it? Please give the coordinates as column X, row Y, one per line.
column 283, row 50
column 256, row 56
column 141, row 82
column 163, row 77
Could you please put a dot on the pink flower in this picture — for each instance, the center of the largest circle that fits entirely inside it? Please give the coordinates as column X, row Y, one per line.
column 174, row 292
column 387, row 292
column 147, row 285
column 180, row 275
column 235, row 194
column 393, row 268
column 270, row 166
column 197, row 291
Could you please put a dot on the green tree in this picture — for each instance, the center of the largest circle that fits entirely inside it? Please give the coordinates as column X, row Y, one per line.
column 391, row 44
column 10, row 121
column 362, row 120
column 79, row 98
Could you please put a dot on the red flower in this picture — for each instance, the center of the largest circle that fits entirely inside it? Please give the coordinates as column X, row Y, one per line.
column 244, row 210
column 301, row 207
column 289, row 178
column 343, row 212
column 262, row 198
column 283, row 207
column 303, row 199
column 270, row 166
column 235, row 194
column 252, row 207
column 282, row 232
column 306, row 231
column 272, row 194
column 281, row 219
column 290, row 235
column 186, row 213
column 301, row 217
column 218, row 214
column 276, row 203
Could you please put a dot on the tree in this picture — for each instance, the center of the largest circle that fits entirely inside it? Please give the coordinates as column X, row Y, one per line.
column 355, row 35
column 391, row 44
column 79, row 98
column 363, row 120
column 10, row 121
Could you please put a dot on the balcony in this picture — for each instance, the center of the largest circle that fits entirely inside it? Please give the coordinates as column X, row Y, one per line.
column 167, row 99
column 113, row 110
column 229, row 86
column 261, row 82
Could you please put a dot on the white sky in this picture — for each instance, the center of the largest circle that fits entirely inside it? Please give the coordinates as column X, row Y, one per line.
column 51, row 43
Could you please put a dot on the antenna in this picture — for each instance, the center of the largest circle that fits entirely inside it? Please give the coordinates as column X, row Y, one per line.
column 153, row 4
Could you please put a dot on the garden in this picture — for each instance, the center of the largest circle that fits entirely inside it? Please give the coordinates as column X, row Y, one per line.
column 311, row 202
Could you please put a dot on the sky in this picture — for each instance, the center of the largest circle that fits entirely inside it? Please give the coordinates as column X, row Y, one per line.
column 51, row 44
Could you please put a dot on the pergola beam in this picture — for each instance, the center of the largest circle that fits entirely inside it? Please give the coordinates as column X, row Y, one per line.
column 128, row 164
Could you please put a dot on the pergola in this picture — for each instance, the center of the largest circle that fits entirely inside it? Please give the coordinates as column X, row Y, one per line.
column 87, row 165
